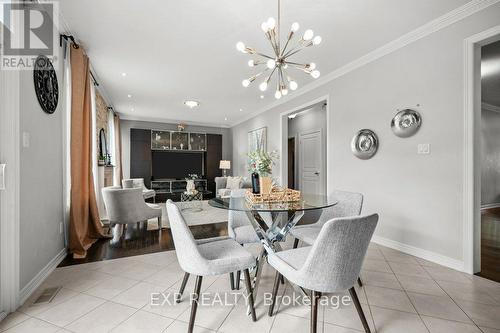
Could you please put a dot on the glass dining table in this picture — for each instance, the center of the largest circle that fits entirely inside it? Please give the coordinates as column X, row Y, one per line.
column 272, row 221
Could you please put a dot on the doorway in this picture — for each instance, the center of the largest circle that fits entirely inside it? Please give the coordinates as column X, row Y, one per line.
column 307, row 149
column 489, row 161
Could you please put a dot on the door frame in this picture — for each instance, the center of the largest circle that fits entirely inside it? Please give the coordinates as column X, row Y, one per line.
column 9, row 198
column 284, row 140
column 471, row 163
column 322, row 144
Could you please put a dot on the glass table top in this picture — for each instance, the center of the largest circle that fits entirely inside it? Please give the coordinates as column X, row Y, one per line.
column 306, row 202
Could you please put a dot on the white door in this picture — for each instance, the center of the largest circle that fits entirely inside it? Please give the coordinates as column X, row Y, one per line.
column 310, row 168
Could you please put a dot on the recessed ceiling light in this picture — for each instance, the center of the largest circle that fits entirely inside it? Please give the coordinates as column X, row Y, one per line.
column 225, row 118
column 191, row 104
column 241, row 110
column 261, row 96
column 124, row 74
column 132, row 109
column 129, row 96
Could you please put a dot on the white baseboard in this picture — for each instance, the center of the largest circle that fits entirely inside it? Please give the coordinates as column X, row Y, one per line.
column 490, row 206
column 421, row 253
column 30, row 288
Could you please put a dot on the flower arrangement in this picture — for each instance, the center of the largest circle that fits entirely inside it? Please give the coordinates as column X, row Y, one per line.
column 192, row 176
column 261, row 162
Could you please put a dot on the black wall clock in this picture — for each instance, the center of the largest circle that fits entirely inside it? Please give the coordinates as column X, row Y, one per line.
column 46, row 87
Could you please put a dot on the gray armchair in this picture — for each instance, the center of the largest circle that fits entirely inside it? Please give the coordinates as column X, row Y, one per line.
column 222, row 191
column 332, row 264
column 126, row 205
column 139, row 183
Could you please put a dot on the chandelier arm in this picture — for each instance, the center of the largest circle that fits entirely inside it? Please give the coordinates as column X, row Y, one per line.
column 270, row 75
column 294, row 63
column 264, row 55
column 272, row 40
column 282, row 79
column 289, row 54
column 290, row 35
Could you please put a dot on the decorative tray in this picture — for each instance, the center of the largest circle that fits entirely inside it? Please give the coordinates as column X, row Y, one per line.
column 276, row 195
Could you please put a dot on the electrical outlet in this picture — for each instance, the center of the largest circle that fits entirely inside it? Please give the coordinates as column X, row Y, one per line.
column 26, row 139
column 424, row 148
column 60, row 227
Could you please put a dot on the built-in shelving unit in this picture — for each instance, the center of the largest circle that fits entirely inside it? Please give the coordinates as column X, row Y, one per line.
column 180, row 141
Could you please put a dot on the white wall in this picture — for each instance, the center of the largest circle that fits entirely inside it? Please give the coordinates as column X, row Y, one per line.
column 126, row 125
column 418, row 197
column 490, row 157
column 41, row 188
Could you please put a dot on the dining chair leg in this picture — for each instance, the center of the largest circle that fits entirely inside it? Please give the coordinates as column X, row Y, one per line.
column 361, row 314
column 237, row 282
column 231, row 280
column 183, row 286
column 248, row 284
column 295, row 243
column 194, row 303
column 314, row 310
column 360, row 283
column 277, row 279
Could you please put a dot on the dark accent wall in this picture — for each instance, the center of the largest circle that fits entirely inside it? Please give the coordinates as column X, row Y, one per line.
column 214, row 155
column 140, row 155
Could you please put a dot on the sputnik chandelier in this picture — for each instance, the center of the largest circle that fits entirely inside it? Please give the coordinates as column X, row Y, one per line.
column 279, row 63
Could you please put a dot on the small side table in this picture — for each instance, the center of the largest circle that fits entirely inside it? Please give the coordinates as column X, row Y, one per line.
column 192, row 202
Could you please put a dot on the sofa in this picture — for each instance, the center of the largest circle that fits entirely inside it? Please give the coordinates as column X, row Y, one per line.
column 224, row 185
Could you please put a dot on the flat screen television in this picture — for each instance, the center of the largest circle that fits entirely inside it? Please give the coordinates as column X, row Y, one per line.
column 176, row 165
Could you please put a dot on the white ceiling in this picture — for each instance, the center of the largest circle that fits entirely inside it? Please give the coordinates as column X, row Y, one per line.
column 178, row 50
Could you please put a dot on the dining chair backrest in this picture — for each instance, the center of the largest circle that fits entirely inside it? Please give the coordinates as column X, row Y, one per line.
column 349, row 204
column 190, row 259
column 335, row 259
column 236, row 218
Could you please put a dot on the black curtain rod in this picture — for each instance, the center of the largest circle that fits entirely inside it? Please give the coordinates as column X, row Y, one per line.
column 76, row 46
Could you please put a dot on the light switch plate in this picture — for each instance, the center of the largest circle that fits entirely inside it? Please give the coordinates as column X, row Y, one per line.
column 2, row 176
column 424, row 148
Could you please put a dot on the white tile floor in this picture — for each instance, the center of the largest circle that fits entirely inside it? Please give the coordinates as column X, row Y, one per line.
column 401, row 294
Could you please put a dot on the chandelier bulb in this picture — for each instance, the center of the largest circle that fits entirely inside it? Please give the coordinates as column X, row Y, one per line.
column 315, row 74
column 284, row 91
column 265, row 27
column 277, row 94
column 312, row 66
column 271, row 63
column 317, row 40
column 245, row 83
column 251, row 63
column 308, row 34
column 295, row 27
column 271, row 23
column 240, row 46
column 293, row 85
column 263, row 86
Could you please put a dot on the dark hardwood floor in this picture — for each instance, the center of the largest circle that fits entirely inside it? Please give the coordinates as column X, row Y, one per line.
column 140, row 241
column 490, row 244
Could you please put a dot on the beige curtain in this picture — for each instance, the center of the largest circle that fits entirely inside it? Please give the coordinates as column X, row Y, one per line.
column 85, row 227
column 118, row 151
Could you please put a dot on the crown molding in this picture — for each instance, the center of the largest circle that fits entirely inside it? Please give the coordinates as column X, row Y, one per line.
column 172, row 121
column 490, row 107
column 425, row 30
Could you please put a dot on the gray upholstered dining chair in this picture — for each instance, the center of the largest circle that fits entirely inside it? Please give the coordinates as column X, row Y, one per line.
column 349, row 204
column 240, row 229
column 331, row 264
column 210, row 258
column 126, row 205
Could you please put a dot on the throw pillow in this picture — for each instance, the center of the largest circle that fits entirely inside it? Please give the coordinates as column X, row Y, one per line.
column 233, row 183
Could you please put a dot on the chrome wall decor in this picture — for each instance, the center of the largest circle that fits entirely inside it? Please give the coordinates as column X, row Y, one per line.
column 406, row 123
column 364, row 144
column 279, row 61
